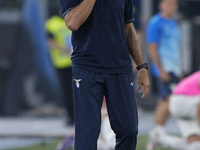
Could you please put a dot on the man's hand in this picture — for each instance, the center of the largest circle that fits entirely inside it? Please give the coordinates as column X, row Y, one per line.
column 165, row 77
column 143, row 81
column 136, row 54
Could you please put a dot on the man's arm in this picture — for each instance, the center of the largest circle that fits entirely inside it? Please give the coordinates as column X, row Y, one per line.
column 133, row 44
column 155, row 58
column 78, row 15
column 135, row 52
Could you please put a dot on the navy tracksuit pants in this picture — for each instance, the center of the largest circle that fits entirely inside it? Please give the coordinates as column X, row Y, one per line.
column 89, row 89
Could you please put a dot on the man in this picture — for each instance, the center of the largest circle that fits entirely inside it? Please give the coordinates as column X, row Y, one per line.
column 103, row 34
column 60, row 44
column 185, row 108
column 163, row 38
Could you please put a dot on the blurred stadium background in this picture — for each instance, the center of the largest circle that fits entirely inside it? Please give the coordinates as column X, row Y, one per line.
column 31, row 111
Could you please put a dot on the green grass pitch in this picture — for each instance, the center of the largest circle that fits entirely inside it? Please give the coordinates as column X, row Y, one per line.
column 142, row 140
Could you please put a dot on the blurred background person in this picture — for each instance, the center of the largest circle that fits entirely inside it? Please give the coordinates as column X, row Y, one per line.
column 107, row 135
column 185, row 108
column 60, row 44
column 163, row 38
